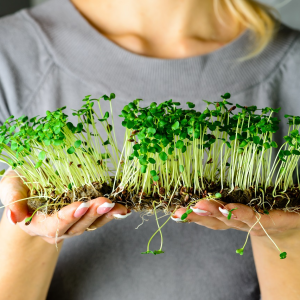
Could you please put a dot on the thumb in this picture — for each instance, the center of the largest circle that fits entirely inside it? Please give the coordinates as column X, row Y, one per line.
column 13, row 189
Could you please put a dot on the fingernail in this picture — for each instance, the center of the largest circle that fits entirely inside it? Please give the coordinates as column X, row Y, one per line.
column 200, row 212
column 121, row 217
column 178, row 220
column 105, row 208
column 8, row 214
column 224, row 212
column 82, row 209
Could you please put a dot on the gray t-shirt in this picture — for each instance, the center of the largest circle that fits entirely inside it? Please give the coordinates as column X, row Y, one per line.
column 50, row 57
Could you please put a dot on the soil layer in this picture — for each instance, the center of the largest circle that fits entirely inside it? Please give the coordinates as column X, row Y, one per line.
column 261, row 201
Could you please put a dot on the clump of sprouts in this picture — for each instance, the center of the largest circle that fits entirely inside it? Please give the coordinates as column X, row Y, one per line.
column 216, row 145
column 172, row 157
column 51, row 153
column 167, row 146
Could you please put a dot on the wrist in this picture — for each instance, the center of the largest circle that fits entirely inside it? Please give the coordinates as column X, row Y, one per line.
column 288, row 240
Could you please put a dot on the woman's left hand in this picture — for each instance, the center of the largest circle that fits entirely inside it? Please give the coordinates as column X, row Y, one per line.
column 278, row 279
column 214, row 215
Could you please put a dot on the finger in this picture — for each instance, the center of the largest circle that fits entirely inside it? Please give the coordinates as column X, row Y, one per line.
column 221, row 211
column 274, row 221
column 57, row 224
column 210, row 208
column 13, row 189
column 206, row 221
column 217, row 209
column 240, row 212
column 98, row 208
column 118, row 211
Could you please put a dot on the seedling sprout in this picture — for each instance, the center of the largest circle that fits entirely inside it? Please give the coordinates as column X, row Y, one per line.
column 172, row 157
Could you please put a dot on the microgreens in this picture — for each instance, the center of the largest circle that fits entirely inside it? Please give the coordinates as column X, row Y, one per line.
column 240, row 251
column 184, row 216
column 230, row 213
column 166, row 146
column 51, row 151
column 164, row 138
column 282, row 255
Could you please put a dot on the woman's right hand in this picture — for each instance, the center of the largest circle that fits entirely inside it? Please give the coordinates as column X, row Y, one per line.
column 70, row 221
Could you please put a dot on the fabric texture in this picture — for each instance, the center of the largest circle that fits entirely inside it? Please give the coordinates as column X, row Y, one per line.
column 50, row 57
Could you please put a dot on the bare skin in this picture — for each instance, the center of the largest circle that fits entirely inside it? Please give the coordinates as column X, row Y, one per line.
column 163, row 29
column 278, row 278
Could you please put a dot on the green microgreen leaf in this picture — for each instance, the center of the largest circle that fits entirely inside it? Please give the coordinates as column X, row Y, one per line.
column 240, row 251
column 190, row 104
column 152, row 161
column 107, row 142
column 151, row 130
column 230, row 213
column 141, row 135
column 274, row 144
column 153, row 173
column 57, row 142
column 143, row 168
column 47, row 142
column 155, row 252
column 179, row 144
column 163, row 156
column 156, row 178
column 175, row 125
column 78, row 143
column 181, row 168
column 283, row 255
column 42, row 155
column 38, row 164
column 71, row 150
column 184, row 216
column 226, row 96
column 218, row 195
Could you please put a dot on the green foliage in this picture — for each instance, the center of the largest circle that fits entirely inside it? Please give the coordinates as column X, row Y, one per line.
column 42, row 155
column 240, row 251
column 28, row 220
column 78, row 143
column 155, row 252
column 41, row 147
column 71, row 150
column 230, row 213
column 184, row 216
column 166, row 147
column 283, row 255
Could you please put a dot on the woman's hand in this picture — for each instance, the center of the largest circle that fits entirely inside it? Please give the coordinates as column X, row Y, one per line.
column 72, row 220
column 278, row 279
column 213, row 214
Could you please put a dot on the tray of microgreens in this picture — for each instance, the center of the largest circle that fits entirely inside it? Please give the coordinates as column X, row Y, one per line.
column 172, row 157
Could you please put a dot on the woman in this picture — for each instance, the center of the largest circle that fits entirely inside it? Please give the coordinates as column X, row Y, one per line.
column 156, row 50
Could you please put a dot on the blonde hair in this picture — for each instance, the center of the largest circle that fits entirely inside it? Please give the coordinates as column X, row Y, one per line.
column 261, row 19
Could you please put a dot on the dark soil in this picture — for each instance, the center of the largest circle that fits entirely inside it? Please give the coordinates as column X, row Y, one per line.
column 289, row 200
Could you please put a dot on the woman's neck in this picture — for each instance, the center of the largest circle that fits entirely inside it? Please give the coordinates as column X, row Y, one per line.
column 161, row 28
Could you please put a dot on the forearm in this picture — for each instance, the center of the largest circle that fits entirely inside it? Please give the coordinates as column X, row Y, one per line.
column 26, row 264
column 278, row 278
